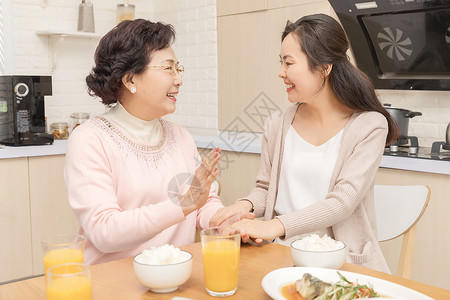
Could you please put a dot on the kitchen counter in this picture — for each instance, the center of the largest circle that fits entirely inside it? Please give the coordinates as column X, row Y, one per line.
column 423, row 161
column 247, row 143
column 58, row 147
column 416, row 164
column 251, row 143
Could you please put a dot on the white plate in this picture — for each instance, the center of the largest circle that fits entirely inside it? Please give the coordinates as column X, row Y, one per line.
column 275, row 280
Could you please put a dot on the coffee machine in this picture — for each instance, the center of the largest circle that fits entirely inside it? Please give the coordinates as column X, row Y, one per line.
column 22, row 112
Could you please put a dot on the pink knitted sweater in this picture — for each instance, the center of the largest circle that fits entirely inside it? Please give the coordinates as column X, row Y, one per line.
column 124, row 191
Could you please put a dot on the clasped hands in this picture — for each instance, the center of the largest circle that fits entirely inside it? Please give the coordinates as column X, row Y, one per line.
column 239, row 216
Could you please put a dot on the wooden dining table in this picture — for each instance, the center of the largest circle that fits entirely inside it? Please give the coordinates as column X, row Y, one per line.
column 116, row 279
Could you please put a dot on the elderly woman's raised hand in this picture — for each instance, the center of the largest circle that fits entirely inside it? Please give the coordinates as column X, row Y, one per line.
column 198, row 193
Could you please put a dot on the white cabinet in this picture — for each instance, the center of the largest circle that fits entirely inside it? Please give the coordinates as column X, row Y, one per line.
column 33, row 205
column 15, row 231
column 50, row 210
column 237, row 174
column 248, row 43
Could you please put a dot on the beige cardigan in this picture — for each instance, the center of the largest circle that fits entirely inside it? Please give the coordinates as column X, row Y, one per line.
column 349, row 206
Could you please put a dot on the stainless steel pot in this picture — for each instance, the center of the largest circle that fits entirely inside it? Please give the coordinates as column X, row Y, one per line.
column 447, row 135
column 436, row 146
column 401, row 116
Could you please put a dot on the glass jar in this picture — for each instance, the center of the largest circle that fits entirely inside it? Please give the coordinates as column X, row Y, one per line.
column 125, row 12
column 60, row 130
column 78, row 118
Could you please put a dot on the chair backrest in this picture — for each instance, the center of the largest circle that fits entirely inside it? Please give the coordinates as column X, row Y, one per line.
column 398, row 209
column 217, row 187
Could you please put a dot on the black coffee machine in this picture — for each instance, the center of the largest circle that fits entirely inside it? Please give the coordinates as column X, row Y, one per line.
column 22, row 112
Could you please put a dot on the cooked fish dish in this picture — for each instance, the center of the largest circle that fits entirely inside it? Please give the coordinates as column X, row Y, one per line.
column 312, row 288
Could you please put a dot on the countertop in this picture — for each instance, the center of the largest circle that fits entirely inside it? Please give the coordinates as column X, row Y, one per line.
column 251, row 143
column 58, row 147
column 241, row 142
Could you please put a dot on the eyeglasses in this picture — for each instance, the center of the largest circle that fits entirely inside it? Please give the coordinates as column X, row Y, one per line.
column 174, row 69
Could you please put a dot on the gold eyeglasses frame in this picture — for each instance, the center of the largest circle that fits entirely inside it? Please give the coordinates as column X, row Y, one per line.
column 175, row 70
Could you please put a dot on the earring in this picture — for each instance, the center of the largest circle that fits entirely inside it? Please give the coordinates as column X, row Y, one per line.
column 133, row 89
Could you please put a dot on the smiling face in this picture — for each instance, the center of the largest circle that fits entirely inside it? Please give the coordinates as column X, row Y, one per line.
column 302, row 84
column 156, row 88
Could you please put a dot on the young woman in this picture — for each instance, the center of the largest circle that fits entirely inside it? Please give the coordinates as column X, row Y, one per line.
column 320, row 158
column 126, row 169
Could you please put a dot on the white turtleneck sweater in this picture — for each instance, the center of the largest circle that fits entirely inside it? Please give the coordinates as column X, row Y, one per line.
column 146, row 131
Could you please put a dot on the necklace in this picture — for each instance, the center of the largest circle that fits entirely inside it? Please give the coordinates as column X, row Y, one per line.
column 135, row 145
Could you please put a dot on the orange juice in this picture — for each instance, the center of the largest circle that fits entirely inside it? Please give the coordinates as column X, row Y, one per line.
column 69, row 288
column 61, row 256
column 221, row 265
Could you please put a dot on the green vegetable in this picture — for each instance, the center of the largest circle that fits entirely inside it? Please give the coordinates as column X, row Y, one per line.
column 346, row 290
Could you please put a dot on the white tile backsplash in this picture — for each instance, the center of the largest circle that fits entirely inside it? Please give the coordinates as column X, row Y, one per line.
column 194, row 22
column 435, row 109
column 195, row 46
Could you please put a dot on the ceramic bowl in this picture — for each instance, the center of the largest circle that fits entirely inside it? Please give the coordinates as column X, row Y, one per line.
column 333, row 259
column 163, row 278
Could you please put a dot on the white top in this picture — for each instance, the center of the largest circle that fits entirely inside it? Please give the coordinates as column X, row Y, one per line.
column 147, row 131
column 305, row 172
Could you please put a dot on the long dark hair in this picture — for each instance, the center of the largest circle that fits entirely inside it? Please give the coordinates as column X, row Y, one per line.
column 324, row 42
column 126, row 49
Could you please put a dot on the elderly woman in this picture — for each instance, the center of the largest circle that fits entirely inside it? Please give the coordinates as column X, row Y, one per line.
column 135, row 180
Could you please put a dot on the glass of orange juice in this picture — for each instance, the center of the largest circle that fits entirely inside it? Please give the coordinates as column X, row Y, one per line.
column 69, row 281
column 62, row 248
column 220, row 248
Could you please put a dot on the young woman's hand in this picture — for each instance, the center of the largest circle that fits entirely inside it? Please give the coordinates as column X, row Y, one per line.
column 233, row 213
column 258, row 230
column 198, row 193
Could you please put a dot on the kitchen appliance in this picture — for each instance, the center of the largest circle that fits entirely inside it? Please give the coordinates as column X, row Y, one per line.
column 408, row 145
column 400, row 44
column 436, row 147
column 22, row 112
column 86, row 16
column 447, row 134
column 401, row 116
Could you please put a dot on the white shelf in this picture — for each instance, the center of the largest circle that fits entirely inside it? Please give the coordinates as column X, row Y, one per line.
column 75, row 34
column 55, row 38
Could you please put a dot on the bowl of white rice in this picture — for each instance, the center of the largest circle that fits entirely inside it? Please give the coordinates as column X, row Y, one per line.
column 163, row 269
column 316, row 251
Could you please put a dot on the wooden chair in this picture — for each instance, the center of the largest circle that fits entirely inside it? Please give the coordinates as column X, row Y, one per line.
column 217, row 186
column 398, row 209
